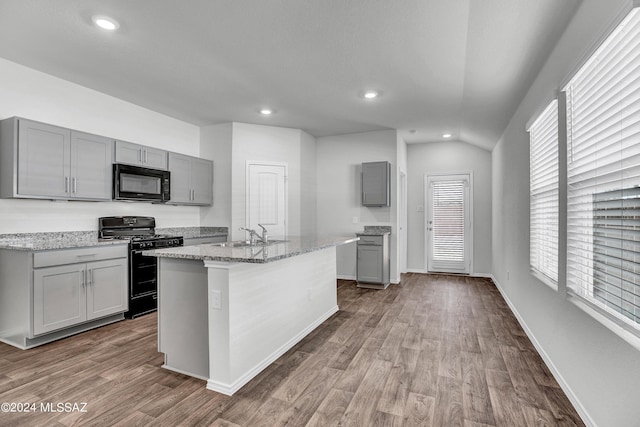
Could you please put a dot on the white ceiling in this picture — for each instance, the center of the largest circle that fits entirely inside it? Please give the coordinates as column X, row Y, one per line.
column 458, row 66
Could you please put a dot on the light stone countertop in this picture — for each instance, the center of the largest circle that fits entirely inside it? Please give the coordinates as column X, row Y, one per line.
column 375, row 230
column 293, row 246
column 54, row 240
column 194, row 232
column 77, row 239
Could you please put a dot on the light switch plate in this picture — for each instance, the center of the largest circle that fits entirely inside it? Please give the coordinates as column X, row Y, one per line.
column 215, row 300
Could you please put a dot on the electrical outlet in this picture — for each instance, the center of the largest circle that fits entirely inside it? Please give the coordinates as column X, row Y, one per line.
column 308, row 294
column 216, row 299
column 355, row 219
column 508, row 274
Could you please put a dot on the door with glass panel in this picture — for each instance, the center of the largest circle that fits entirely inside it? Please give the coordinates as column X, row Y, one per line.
column 448, row 223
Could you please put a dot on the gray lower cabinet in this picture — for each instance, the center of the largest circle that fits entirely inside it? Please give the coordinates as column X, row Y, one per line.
column 67, row 295
column 38, row 160
column 191, row 180
column 373, row 262
column 140, row 155
column 48, row 295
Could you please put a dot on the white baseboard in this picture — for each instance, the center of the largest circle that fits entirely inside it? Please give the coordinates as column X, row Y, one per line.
column 230, row 389
column 584, row 415
column 416, row 270
column 342, row 277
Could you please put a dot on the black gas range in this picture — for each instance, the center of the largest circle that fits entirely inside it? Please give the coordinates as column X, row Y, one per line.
column 143, row 270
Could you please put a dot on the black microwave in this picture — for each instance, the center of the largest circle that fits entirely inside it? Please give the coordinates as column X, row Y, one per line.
column 141, row 184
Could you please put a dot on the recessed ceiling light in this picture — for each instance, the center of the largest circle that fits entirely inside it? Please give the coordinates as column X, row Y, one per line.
column 266, row 111
column 370, row 94
column 446, row 135
column 105, row 22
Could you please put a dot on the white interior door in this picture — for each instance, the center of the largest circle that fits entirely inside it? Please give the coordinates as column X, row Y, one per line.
column 267, row 198
column 448, row 223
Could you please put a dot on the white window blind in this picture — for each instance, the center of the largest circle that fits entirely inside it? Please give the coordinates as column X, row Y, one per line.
column 603, row 177
column 543, row 194
column 448, row 220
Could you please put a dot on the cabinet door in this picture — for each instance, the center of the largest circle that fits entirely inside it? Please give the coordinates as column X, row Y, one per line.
column 369, row 264
column 154, row 158
column 43, row 160
column 202, row 181
column 128, row 153
column 375, row 184
column 106, row 288
column 59, row 297
column 91, row 170
column 180, row 168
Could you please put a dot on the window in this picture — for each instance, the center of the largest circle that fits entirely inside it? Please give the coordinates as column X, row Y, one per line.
column 543, row 195
column 603, row 178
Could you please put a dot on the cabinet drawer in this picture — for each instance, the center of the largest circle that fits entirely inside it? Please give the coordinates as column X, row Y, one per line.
column 370, row 240
column 72, row 256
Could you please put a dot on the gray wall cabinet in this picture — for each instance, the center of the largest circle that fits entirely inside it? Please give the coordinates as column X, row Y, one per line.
column 376, row 184
column 44, row 161
column 48, row 295
column 191, row 180
column 140, row 155
column 373, row 266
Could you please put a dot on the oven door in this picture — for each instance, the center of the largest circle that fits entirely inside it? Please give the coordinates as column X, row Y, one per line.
column 144, row 274
column 136, row 183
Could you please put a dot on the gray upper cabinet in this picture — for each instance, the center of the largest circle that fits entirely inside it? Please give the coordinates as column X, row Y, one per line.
column 44, row 161
column 140, row 155
column 191, row 180
column 376, row 184
column 91, row 171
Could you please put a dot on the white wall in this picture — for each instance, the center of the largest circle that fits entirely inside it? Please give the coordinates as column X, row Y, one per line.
column 308, row 184
column 339, row 160
column 449, row 157
column 265, row 143
column 401, row 158
column 34, row 95
column 215, row 145
column 600, row 371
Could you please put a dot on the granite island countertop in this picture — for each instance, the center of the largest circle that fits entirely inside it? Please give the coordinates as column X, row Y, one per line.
column 292, row 246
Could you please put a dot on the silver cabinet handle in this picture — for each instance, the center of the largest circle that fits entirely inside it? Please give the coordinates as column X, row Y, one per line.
column 90, row 280
column 66, row 184
column 84, row 278
column 145, row 156
column 193, row 194
column 75, row 184
column 140, row 159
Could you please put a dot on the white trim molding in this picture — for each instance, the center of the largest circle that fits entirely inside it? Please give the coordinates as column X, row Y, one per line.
column 584, row 415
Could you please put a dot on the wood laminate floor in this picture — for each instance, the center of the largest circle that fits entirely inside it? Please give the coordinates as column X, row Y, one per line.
column 436, row 350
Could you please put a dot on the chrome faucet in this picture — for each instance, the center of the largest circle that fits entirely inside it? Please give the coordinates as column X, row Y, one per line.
column 265, row 235
column 253, row 235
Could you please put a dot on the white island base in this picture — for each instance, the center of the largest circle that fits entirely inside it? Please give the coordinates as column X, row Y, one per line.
column 227, row 321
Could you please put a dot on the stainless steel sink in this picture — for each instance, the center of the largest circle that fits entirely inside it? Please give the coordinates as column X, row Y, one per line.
column 238, row 244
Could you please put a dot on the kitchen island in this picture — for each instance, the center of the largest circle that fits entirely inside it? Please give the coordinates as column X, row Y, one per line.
column 227, row 311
